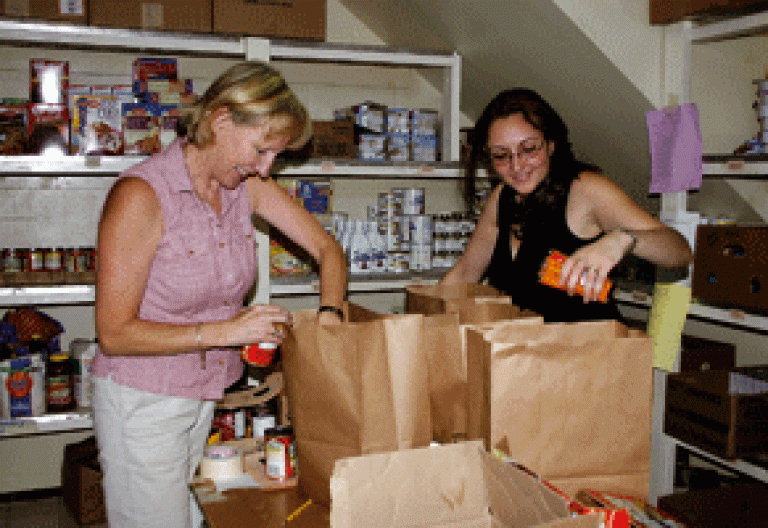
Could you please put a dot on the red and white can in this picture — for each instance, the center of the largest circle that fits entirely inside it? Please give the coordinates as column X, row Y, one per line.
column 280, row 453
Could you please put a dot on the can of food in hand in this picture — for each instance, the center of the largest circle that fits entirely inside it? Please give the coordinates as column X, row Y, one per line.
column 260, row 354
column 280, row 453
column 549, row 275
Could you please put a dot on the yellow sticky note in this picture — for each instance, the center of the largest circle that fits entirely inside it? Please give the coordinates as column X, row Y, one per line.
column 669, row 309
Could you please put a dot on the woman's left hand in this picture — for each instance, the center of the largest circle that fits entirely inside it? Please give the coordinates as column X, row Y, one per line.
column 590, row 265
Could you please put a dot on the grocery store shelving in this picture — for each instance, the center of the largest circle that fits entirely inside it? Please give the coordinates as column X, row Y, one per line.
column 46, row 424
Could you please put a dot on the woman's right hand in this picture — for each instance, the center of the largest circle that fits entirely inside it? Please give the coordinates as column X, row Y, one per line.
column 259, row 323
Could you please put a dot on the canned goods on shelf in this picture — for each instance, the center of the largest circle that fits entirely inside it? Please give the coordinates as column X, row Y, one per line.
column 52, row 259
column 13, row 260
column 35, row 260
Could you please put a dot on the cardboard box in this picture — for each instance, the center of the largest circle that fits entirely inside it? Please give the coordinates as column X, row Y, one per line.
column 730, row 266
column 333, row 139
column 454, row 485
column 671, row 11
column 173, row 15
column 297, row 19
column 697, row 353
column 81, row 482
column 72, row 11
column 741, row 504
column 704, row 409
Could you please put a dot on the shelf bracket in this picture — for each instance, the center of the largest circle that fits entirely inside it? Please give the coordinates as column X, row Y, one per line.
column 256, row 49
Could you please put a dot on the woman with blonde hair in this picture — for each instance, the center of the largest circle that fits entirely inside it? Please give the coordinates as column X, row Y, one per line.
column 176, row 257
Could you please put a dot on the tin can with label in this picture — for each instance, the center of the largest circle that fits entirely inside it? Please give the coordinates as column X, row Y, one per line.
column 413, row 201
column 280, row 453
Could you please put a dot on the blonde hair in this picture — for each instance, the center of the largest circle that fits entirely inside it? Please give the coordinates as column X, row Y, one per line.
column 254, row 93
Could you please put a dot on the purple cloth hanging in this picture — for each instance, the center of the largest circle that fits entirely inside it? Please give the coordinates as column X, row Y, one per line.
column 675, row 142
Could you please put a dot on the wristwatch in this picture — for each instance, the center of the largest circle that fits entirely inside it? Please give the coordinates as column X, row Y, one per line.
column 332, row 309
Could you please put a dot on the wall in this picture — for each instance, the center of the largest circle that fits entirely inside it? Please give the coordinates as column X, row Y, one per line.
column 621, row 30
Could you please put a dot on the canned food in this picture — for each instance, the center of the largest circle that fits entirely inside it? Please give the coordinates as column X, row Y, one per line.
column 13, row 260
column 280, row 451
column 413, row 201
column 35, row 260
column 52, row 260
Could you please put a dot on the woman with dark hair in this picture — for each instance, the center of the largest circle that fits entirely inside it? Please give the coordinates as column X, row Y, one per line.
column 547, row 200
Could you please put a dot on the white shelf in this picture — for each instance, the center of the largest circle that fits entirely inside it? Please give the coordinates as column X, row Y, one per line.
column 736, row 167
column 729, row 316
column 49, row 423
column 27, row 166
column 47, row 295
column 737, row 465
column 86, row 294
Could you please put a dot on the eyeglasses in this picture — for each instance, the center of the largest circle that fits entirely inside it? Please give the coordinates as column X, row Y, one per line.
column 526, row 152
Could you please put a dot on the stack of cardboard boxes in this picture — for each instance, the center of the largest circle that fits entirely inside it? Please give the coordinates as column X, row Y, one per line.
column 298, row 19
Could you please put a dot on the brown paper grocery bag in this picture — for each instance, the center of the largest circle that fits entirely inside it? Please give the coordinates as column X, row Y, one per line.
column 443, row 298
column 570, row 401
column 354, row 388
column 447, row 358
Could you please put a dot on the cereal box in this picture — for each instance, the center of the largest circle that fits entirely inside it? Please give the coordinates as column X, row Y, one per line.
column 141, row 128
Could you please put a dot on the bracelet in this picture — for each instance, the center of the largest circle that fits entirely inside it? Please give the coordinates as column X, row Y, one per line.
column 633, row 244
column 332, row 309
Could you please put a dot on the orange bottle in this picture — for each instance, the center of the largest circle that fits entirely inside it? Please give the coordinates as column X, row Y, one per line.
column 549, row 275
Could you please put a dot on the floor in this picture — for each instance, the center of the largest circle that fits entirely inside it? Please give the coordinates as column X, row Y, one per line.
column 44, row 509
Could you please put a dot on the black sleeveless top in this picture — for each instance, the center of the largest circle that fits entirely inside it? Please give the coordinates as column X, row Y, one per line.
column 518, row 277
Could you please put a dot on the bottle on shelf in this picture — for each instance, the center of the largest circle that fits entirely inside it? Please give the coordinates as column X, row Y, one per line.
column 60, row 384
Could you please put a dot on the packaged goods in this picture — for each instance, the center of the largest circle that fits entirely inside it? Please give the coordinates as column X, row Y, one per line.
column 83, row 352
column 398, row 147
column 22, row 387
column 550, row 275
column 425, row 122
column 59, row 384
column 141, row 128
column 280, row 453
column 424, row 148
column 398, row 121
column 333, row 139
column 149, row 69
column 48, row 81
column 298, row 19
column 48, row 129
column 372, row 147
column 316, row 196
column 13, row 129
column 169, row 124
column 97, row 124
column 171, row 15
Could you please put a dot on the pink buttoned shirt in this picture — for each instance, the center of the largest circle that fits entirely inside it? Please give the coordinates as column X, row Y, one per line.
column 203, row 268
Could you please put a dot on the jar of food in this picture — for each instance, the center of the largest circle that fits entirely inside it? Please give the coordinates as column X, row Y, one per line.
column 60, row 384
column 35, row 260
column 280, row 451
column 12, row 260
column 52, row 259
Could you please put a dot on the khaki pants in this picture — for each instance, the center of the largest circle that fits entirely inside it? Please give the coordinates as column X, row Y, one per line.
column 149, row 447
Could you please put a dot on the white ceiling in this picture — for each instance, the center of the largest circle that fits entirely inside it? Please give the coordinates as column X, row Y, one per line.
column 532, row 43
